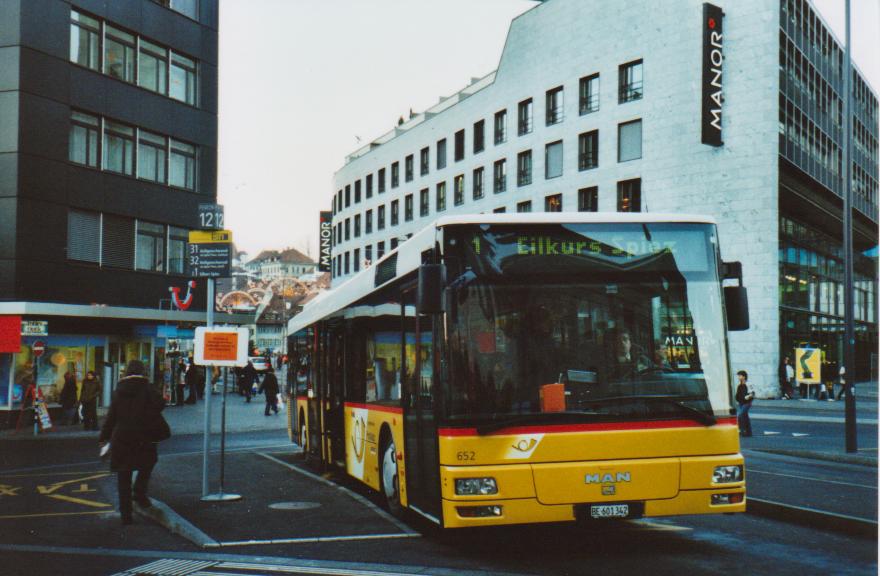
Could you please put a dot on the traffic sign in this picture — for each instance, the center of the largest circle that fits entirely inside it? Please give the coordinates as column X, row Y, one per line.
column 38, row 347
column 211, row 216
column 34, row 328
column 210, row 236
column 211, row 260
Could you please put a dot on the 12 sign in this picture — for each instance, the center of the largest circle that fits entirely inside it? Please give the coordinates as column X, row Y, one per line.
column 211, row 216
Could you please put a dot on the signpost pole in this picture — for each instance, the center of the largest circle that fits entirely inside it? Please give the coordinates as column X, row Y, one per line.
column 206, row 443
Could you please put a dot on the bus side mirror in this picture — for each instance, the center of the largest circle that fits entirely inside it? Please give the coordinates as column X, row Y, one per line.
column 736, row 300
column 431, row 280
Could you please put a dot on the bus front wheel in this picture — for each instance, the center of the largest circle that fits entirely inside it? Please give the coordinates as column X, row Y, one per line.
column 390, row 482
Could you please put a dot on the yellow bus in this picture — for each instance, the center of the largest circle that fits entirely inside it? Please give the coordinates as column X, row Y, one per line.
column 519, row 368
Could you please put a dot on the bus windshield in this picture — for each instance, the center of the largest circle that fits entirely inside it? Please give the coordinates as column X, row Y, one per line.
column 582, row 322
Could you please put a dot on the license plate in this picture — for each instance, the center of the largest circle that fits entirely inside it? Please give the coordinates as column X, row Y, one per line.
column 609, row 511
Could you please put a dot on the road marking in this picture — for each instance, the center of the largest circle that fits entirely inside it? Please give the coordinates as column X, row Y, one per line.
column 82, row 501
column 825, row 419
column 750, row 471
column 406, row 529
column 799, row 434
column 307, row 569
column 663, row 527
column 48, row 474
column 54, row 487
column 48, row 514
column 9, row 490
column 769, row 433
column 311, row 540
column 198, row 568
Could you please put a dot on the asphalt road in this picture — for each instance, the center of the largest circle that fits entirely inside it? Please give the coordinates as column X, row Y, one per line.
column 40, row 534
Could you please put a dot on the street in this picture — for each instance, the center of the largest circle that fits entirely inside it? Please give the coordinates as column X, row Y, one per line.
column 293, row 520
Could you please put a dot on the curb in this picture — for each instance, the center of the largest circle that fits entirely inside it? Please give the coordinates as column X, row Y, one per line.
column 163, row 515
column 826, row 456
column 812, row 518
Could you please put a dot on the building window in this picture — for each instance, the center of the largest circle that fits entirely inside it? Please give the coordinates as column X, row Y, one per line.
column 501, row 126
column 477, row 183
column 553, row 160
column 152, row 156
column 183, row 165
column 395, row 212
column 524, row 117
column 524, row 206
column 629, row 141
column 409, row 169
column 357, row 225
column 500, row 173
column 441, row 154
column 339, row 201
column 177, row 240
column 347, row 262
column 85, row 34
column 118, row 148
column 630, row 82
column 368, row 256
column 393, row 243
column 118, row 53
column 441, row 197
column 424, row 202
column 553, row 203
column 357, row 259
column 499, row 210
column 381, row 181
column 183, row 79
column 83, row 146
column 348, row 229
column 357, row 191
column 629, row 195
column 458, row 190
column 524, row 168
column 368, row 222
column 408, row 208
column 479, row 136
column 153, row 67
column 189, row 8
column 117, row 242
column 369, row 185
column 395, row 174
column 424, row 159
column 150, row 246
column 588, row 199
column 347, row 195
column 555, row 113
column 380, row 217
column 84, row 236
column 380, row 249
column 589, row 94
column 588, row 150
column 459, row 146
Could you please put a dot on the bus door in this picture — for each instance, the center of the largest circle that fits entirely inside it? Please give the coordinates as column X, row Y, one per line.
column 420, row 426
column 316, row 371
column 333, row 398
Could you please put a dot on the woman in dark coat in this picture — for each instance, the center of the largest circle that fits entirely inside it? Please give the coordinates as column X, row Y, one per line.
column 270, row 388
column 68, row 399
column 135, row 406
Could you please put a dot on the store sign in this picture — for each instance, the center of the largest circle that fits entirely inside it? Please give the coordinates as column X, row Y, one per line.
column 185, row 302
column 808, row 365
column 221, row 346
column 326, row 233
column 10, row 334
column 34, row 328
column 713, row 61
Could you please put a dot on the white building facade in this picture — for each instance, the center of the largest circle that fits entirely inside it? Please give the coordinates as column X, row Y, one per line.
column 599, row 109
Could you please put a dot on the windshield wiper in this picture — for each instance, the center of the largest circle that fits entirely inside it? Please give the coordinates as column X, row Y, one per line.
column 537, row 418
column 698, row 415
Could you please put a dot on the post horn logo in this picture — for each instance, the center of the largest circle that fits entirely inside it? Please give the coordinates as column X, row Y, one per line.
column 175, row 295
column 359, row 438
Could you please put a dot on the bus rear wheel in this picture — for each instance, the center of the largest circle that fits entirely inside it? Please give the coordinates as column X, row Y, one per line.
column 390, row 482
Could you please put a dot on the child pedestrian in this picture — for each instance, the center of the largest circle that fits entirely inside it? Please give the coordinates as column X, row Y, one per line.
column 744, row 397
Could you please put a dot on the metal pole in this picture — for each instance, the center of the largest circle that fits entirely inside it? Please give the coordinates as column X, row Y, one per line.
column 223, row 433
column 206, row 443
column 849, row 345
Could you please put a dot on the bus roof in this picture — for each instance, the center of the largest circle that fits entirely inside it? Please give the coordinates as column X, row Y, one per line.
column 409, row 253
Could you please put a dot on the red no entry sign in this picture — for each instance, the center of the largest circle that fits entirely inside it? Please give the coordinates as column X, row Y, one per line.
column 39, row 347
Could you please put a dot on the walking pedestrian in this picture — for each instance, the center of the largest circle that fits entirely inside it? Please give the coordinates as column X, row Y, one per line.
column 192, row 382
column 91, row 388
column 248, row 378
column 843, row 385
column 181, row 382
column 270, row 388
column 134, row 414
column 744, row 397
column 68, row 399
column 786, row 378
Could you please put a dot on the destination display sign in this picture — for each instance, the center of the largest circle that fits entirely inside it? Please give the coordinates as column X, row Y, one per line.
column 211, row 260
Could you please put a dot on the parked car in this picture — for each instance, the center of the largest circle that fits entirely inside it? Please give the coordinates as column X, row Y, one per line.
column 261, row 363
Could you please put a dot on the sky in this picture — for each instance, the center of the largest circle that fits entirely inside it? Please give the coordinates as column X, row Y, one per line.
column 302, row 80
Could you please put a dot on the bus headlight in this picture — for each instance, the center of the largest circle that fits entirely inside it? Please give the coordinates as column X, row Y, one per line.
column 475, row 486
column 727, row 474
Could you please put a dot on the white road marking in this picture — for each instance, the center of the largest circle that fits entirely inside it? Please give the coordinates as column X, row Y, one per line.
column 798, row 434
column 751, row 471
column 770, row 433
column 791, row 418
column 311, row 540
column 406, row 529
